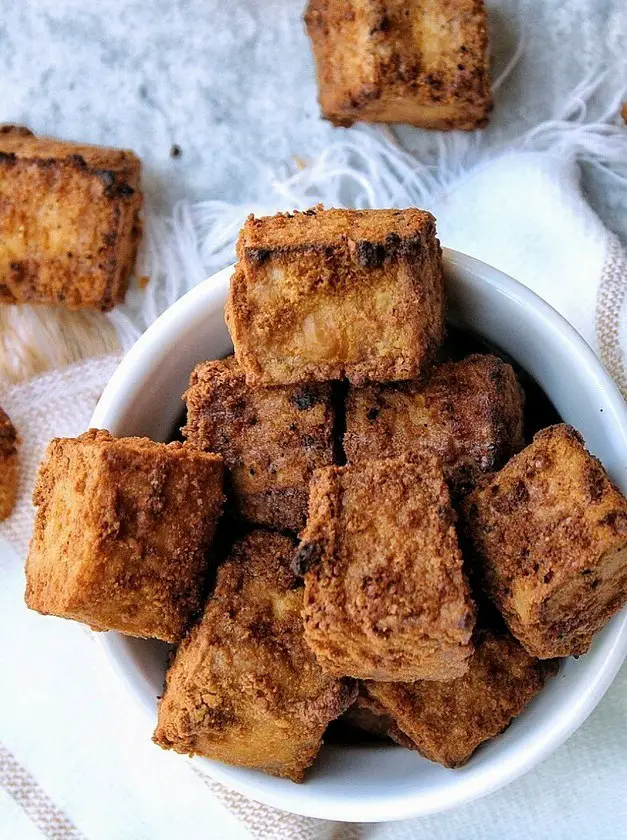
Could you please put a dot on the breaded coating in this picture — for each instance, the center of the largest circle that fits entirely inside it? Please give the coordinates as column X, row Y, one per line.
column 550, row 534
column 69, row 221
column 244, row 688
column 424, row 63
column 8, row 466
column 470, row 414
column 121, row 534
column 447, row 721
column 271, row 439
column 327, row 294
column 385, row 593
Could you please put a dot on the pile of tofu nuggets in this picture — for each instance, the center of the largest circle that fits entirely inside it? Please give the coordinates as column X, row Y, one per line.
column 441, row 566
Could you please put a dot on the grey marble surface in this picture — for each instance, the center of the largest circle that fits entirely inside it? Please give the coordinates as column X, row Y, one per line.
column 230, row 82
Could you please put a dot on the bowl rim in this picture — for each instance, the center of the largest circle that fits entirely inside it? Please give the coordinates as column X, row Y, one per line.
column 137, row 364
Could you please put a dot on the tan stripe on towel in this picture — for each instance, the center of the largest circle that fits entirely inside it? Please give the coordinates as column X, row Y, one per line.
column 19, row 784
column 610, row 301
column 265, row 823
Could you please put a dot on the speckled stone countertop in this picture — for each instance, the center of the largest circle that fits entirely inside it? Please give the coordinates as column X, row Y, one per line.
column 231, row 84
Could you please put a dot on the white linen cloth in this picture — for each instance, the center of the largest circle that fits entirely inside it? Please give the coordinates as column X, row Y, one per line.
column 76, row 758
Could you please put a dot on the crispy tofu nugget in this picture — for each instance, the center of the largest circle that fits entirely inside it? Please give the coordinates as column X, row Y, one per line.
column 8, row 466
column 271, row 439
column 121, row 533
column 423, row 63
column 447, row 721
column 470, row 414
column 385, row 593
column 327, row 294
column 550, row 534
column 244, row 688
column 69, row 221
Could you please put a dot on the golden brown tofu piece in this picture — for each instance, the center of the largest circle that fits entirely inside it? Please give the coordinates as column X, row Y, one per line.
column 447, row 721
column 424, row 62
column 327, row 294
column 244, row 688
column 8, row 466
column 550, row 534
column 69, row 221
column 470, row 414
column 385, row 593
column 271, row 439
column 121, row 534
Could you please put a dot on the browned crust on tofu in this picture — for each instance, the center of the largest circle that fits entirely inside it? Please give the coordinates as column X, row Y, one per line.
column 550, row 534
column 11, row 128
column 328, row 294
column 69, row 221
column 425, row 64
column 447, row 721
column 244, row 688
column 470, row 414
column 385, row 593
column 121, row 533
column 8, row 466
column 271, row 439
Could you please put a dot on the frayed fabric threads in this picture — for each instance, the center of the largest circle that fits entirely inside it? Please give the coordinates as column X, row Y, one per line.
column 34, row 339
column 365, row 167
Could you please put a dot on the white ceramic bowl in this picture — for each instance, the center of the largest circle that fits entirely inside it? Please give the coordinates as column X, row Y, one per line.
column 378, row 783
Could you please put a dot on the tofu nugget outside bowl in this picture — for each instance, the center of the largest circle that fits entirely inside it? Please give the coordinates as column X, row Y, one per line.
column 380, row 782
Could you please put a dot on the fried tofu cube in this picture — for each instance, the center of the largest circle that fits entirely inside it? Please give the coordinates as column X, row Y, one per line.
column 423, row 63
column 385, row 592
column 8, row 466
column 327, row 294
column 69, row 221
column 447, row 721
column 271, row 439
column 121, row 534
column 550, row 534
column 470, row 414
column 244, row 688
